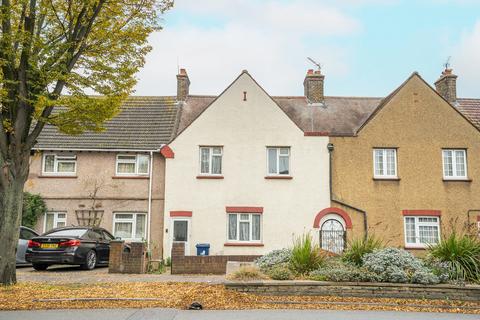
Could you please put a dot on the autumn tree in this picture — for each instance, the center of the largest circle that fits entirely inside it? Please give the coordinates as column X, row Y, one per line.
column 66, row 63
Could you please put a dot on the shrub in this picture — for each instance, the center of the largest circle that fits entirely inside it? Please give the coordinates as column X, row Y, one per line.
column 343, row 273
column 358, row 248
column 274, row 258
column 461, row 255
column 33, row 207
column 396, row 265
column 247, row 273
column 306, row 255
column 280, row 272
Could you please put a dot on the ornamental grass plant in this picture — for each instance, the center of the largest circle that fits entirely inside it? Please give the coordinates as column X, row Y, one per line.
column 460, row 254
column 306, row 256
column 359, row 247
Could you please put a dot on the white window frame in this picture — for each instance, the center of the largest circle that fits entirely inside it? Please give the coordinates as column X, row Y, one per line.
column 277, row 172
column 454, row 175
column 385, row 166
column 417, row 243
column 133, row 221
column 58, row 158
column 250, row 220
column 135, row 161
column 56, row 219
column 210, row 160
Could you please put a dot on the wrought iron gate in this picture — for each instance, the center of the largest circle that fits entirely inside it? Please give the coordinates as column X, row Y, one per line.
column 332, row 236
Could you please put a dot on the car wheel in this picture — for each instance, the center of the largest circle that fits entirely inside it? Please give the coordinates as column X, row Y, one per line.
column 40, row 267
column 90, row 260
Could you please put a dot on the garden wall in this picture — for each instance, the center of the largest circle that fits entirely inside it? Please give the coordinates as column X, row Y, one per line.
column 131, row 259
column 182, row 264
column 353, row 289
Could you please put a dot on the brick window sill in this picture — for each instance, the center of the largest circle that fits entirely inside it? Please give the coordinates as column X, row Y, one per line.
column 57, row 177
column 457, row 180
column 385, row 179
column 130, row 177
column 234, row 244
column 210, row 177
column 279, row 177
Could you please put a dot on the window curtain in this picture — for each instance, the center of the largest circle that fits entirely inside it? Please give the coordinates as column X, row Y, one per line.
column 123, row 230
column 216, row 164
column 49, row 163
column 256, row 227
column 284, row 164
column 460, row 162
column 140, row 227
column 232, row 227
column 205, row 158
column 126, row 167
column 272, row 160
column 66, row 167
column 379, row 162
column 447, row 163
column 244, row 231
column 49, row 221
column 143, row 164
column 390, row 162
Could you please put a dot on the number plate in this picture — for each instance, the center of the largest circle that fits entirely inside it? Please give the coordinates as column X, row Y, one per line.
column 49, row 246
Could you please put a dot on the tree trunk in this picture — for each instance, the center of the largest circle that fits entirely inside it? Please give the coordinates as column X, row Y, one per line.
column 14, row 174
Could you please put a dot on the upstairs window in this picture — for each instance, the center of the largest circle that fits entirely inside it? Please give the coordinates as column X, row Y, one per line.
column 454, row 164
column 130, row 165
column 211, row 160
column 421, row 231
column 385, row 163
column 278, row 160
column 59, row 164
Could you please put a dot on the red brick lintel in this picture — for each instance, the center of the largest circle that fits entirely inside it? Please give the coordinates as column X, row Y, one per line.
column 180, row 213
column 244, row 209
column 435, row 213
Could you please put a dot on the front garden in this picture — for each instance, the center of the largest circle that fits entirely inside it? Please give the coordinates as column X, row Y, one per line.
column 455, row 260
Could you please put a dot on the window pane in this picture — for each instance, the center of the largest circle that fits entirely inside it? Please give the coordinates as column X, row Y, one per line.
column 272, row 161
column 123, row 230
column 447, row 163
column 49, row 164
column 66, row 167
column 61, row 215
column 205, row 159
column 244, row 231
column 216, row 164
column 123, row 216
column 391, row 162
column 284, row 151
column 126, row 167
column 49, row 221
column 460, row 163
column 410, row 230
column 284, row 165
column 60, row 224
column 143, row 164
column 140, row 227
column 232, row 227
column 379, row 162
column 256, row 227
column 245, row 217
column 428, row 234
column 127, row 158
column 180, row 230
column 217, row 150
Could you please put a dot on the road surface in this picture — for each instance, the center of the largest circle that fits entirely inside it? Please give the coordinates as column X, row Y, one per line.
column 170, row 314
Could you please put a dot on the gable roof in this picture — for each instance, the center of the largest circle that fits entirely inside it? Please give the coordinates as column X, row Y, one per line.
column 144, row 123
column 470, row 108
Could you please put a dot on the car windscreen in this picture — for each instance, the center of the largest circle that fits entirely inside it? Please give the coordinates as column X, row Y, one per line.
column 67, row 233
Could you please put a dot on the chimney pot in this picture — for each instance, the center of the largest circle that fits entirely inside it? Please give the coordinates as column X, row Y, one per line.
column 183, row 85
column 313, row 86
column 446, row 85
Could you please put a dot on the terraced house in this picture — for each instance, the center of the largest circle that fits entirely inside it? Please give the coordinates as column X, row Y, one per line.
column 245, row 172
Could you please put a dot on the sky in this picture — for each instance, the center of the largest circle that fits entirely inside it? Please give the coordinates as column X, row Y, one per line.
column 365, row 47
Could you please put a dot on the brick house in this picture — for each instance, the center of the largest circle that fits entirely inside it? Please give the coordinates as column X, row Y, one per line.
column 114, row 179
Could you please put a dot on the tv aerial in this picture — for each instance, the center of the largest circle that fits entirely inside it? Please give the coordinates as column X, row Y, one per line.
column 319, row 66
column 447, row 63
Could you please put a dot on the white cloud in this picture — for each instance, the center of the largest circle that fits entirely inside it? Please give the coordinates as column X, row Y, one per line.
column 271, row 39
column 466, row 63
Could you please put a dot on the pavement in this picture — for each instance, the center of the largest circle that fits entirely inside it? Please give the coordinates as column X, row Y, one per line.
column 170, row 314
column 74, row 274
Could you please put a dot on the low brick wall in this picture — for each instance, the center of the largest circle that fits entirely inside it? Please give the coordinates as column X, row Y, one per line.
column 182, row 264
column 354, row 289
column 127, row 261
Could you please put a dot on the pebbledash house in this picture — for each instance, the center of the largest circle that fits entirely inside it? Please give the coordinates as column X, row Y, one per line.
column 246, row 172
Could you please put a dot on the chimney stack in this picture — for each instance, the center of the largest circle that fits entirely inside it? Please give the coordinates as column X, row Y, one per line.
column 313, row 86
column 447, row 85
column 183, row 84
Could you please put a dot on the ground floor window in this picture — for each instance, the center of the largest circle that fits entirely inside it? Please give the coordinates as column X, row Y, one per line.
column 421, row 231
column 244, row 227
column 130, row 226
column 54, row 220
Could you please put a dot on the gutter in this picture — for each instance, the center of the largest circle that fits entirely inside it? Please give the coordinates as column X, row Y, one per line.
column 100, row 150
column 330, row 148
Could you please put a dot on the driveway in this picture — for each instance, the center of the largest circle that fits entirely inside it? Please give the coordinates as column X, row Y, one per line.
column 170, row 314
column 73, row 274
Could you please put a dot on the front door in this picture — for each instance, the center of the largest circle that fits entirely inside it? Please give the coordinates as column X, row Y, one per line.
column 180, row 232
column 332, row 236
